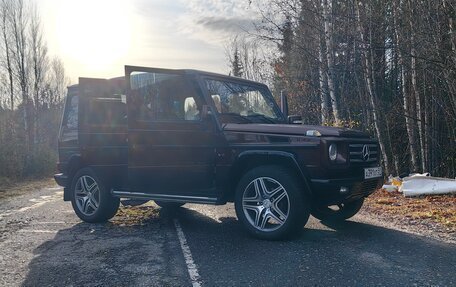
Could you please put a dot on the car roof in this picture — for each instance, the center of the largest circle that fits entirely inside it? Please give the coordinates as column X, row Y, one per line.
column 181, row 71
column 197, row 72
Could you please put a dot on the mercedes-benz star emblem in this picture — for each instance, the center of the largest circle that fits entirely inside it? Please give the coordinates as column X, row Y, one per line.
column 366, row 152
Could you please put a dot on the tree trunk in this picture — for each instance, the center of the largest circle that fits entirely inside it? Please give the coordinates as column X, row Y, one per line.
column 322, row 81
column 327, row 10
column 5, row 10
column 371, row 90
column 405, row 95
column 451, row 27
column 19, row 23
column 416, row 92
column 450, row 14
column 426, row 126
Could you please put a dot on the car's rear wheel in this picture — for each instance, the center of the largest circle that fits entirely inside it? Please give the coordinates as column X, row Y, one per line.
column 270, row 203
column 338, row 212
column 91, row 199
column 169, row 205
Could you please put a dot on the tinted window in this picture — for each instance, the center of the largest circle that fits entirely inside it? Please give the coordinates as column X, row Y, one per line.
column 164, row 97
column 71, row 118
column 110, row 112
column 241, row 103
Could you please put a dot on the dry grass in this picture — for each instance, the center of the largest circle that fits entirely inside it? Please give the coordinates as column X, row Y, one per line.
column 437, row 209
column 136, row 215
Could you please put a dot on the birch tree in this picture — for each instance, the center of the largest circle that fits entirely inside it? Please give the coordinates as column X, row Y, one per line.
column 367, row 67
column 328, row 28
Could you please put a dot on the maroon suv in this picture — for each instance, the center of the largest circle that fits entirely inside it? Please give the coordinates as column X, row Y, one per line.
column 178, row 136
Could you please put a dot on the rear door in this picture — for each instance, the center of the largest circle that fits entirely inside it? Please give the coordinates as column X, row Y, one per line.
column 103, row 128
column 68, row 135
column 171, row 149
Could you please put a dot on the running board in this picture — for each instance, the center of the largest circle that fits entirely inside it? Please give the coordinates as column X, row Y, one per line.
column 164, row 197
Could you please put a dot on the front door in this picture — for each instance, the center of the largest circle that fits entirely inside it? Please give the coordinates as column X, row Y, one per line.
column 171, row 148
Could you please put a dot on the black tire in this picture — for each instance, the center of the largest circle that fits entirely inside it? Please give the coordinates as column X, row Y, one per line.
column 85, row 210
column 168, row 204
column 293, row 206
column 343, row 212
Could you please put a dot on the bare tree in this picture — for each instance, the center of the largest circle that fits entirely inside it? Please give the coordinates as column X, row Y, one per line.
column 34, row 89
column 6, row 37
column 19, row 21
column 247, row 58
column 403, row 82
column 367, row 67
column 57, row 82
column 416, row 93
column 39, row 62
column 323, row 82
column 328, row 28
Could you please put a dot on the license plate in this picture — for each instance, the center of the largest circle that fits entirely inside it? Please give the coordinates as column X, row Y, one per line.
column 372, row 172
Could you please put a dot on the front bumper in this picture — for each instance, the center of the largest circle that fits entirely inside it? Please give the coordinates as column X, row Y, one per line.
column 61, row 179
column 328, row 191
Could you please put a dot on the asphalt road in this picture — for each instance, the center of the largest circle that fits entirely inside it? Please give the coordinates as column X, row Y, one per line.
column 43, row 243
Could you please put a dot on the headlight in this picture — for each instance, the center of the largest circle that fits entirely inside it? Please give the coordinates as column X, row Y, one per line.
column 332, row 151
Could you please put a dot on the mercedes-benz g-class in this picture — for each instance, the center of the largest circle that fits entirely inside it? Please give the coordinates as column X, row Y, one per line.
column 187, row 136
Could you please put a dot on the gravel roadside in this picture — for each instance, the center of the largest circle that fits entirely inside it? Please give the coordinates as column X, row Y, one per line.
column 431, row 216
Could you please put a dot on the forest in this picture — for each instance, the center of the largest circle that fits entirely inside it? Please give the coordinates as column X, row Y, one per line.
column 32, row 89
column 387, row 67
column 384, row 66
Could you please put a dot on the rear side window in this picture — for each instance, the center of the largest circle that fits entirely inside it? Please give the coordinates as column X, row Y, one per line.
column 108, row 112
column 71, row 117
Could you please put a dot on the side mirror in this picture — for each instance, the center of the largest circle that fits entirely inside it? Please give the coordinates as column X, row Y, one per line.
column 295, row 120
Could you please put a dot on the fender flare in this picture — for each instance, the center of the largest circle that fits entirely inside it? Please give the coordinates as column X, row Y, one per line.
column 74, row 164
column 289, row 157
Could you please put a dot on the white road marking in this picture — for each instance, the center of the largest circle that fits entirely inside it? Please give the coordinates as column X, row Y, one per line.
column 37, row 231
column 191, row 266
column 55, row 222
column 38, row 202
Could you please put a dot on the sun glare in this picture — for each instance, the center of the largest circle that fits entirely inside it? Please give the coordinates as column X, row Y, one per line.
column 95, row 35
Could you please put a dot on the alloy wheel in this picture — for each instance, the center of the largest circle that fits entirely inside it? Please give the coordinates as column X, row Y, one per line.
column 87, row 195
column 266, row 204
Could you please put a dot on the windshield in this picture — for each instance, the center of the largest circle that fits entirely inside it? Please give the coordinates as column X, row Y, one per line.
column 243, row 104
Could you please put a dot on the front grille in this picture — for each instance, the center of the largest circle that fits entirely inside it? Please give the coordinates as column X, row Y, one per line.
column 356, row 152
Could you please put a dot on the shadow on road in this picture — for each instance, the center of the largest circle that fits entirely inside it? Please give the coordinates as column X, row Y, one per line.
column 135, row 250
column 343, row 254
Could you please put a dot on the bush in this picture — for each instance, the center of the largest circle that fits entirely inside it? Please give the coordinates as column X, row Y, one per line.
column 42, row 162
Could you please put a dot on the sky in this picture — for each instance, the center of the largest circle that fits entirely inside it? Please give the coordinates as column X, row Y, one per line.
column 96, row 38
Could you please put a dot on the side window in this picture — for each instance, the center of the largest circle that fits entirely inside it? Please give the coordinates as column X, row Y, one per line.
column 164, row 97
column 71, row 117
column 108, row 112
column 240, row 99
column 69, row 129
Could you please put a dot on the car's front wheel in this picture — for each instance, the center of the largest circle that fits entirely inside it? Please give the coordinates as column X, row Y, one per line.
column 91, row 199
column 270, row 203
column 338, row 212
